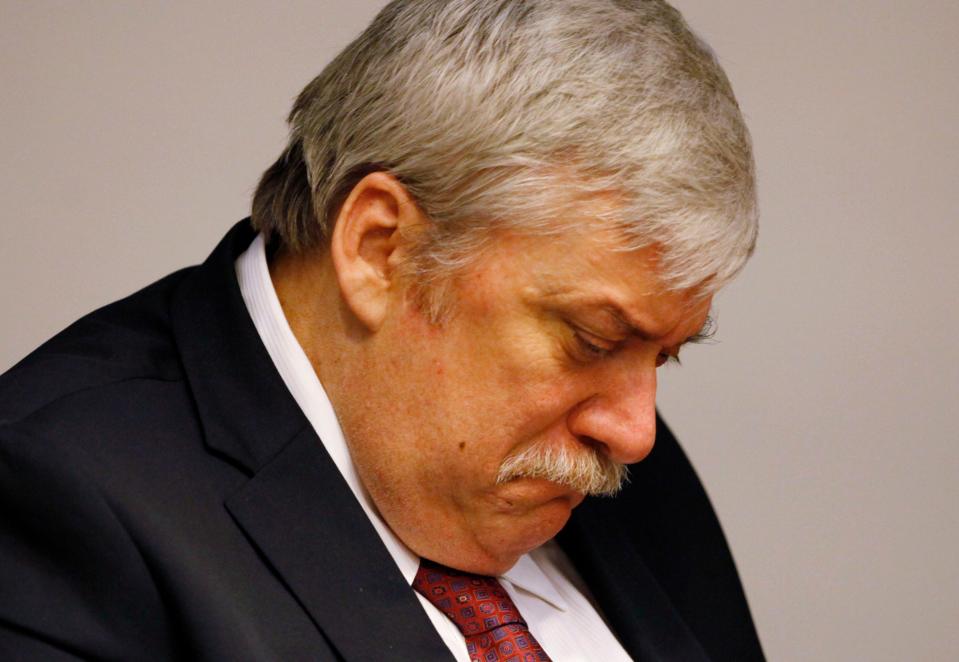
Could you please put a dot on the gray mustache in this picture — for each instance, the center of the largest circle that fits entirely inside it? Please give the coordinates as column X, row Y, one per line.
column 585, row 470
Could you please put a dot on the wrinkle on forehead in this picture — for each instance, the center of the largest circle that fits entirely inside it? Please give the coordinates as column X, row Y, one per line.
column 624, row 285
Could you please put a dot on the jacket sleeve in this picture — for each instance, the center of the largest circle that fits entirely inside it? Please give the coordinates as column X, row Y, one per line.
column 72, row 581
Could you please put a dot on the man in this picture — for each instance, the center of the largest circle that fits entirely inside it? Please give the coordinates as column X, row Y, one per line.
column 381, row 420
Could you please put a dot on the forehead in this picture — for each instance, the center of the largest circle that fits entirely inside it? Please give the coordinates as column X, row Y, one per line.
column 587, row 273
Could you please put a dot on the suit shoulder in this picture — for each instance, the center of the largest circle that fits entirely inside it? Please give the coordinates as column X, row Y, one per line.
column 130, row 339
column 72, row 577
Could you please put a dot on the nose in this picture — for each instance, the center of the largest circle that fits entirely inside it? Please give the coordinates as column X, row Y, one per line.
column 619, row 415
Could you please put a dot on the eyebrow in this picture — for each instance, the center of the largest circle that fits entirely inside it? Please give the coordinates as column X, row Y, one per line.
column 706, row 332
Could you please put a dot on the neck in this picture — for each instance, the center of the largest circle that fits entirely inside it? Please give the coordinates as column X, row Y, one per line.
column 307, row 289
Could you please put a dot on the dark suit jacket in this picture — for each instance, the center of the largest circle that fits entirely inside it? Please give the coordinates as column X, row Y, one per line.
column 164, row 497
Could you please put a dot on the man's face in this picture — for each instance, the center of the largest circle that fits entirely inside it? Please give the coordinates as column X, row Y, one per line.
column 554, row 344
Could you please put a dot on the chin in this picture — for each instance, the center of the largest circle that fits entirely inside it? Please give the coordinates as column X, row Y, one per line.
column 527, row 532
column 527, row 513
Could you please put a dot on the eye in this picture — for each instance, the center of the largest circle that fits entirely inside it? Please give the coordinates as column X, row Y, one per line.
column 590, row 347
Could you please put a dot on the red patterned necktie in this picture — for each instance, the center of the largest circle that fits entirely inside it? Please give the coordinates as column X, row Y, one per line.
column 485, row 614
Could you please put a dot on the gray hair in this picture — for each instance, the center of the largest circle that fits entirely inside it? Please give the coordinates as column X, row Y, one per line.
column 508, row 114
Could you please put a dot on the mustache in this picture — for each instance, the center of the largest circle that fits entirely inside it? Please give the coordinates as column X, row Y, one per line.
column 584, row 469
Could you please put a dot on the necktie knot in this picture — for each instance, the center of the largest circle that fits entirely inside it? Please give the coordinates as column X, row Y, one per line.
column 482, row 610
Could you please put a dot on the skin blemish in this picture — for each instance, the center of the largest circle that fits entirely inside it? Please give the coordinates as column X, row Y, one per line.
column 462, row 445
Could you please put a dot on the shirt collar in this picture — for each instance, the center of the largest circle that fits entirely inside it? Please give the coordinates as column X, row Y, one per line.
column 528, row 576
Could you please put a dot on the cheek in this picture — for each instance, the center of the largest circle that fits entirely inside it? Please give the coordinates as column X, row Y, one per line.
column 513, row 390
column 535, row 379
column 476, row 425
column 488, row 379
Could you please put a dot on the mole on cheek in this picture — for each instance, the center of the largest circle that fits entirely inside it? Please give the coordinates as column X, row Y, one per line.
column 462, row 445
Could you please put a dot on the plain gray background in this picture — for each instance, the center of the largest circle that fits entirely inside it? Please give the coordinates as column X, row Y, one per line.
column 821, row 423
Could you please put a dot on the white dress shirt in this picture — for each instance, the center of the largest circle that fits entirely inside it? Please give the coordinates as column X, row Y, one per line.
column 545, row 587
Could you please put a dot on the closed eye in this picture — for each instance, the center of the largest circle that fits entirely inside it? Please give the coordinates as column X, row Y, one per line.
column 589, row 346
column 593, row 348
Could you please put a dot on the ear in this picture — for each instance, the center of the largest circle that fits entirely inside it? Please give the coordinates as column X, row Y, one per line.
column 368, row 243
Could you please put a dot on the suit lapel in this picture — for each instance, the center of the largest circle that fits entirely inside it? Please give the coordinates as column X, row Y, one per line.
column 638, row 610
column 301, row 515
column 296, row 509
column 674, row 571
